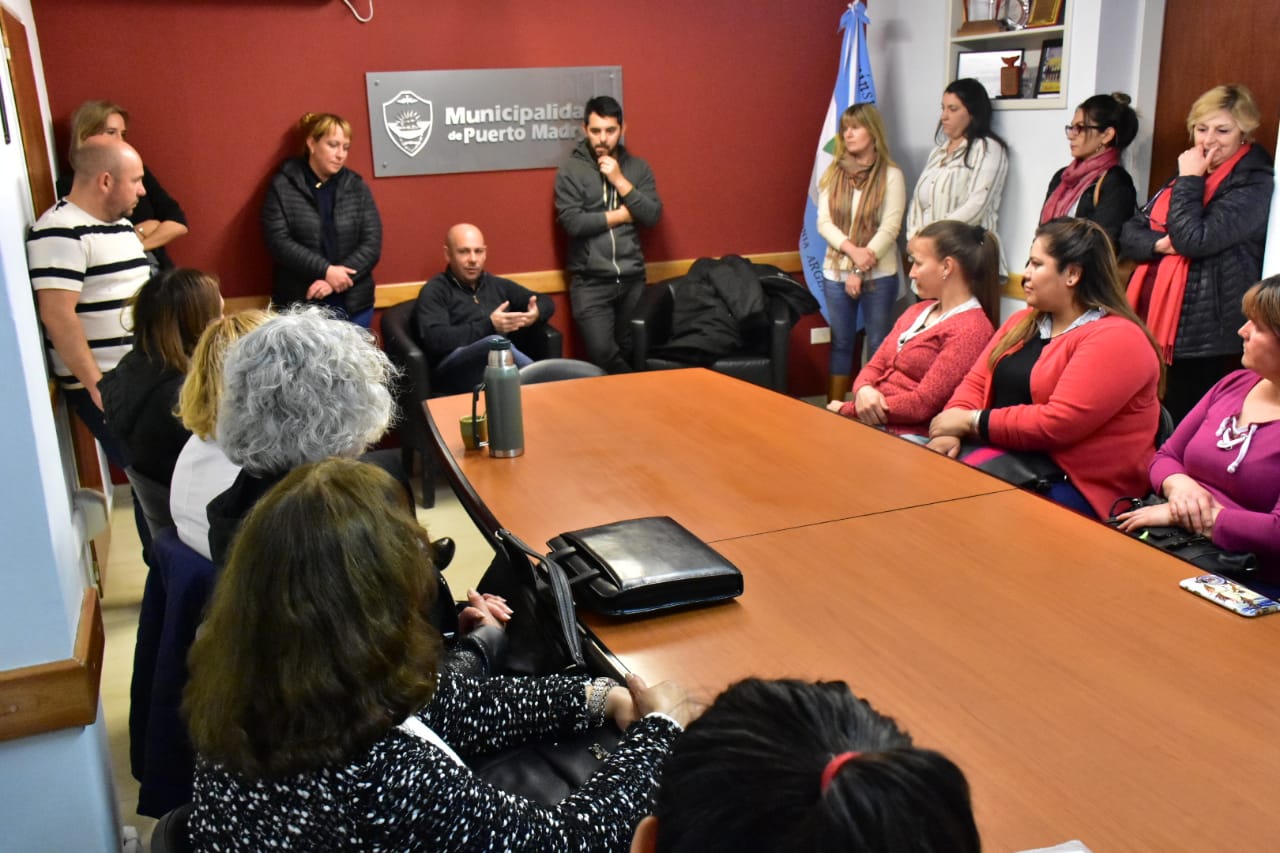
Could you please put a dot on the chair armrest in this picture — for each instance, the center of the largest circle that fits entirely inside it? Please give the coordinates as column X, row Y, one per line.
column 651, row 322
column 539, row 342
column 404, row 351
column 780, row 325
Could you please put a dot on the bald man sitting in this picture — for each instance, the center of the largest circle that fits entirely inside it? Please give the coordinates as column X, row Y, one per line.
column 463, row 308
column 86, row 262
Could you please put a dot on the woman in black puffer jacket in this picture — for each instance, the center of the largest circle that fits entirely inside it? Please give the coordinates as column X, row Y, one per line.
column 1199, row 242
column 321, row 225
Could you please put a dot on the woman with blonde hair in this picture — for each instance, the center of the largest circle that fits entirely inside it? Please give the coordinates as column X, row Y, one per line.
column 157, row 219
column 203, row 471
column 1199, row 243
column 321, row 226
column 861, row 199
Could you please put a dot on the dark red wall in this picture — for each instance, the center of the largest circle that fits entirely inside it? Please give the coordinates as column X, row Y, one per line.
column 723, row 97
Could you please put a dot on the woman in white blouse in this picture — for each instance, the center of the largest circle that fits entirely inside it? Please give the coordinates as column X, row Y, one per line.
column 964, row 177
column 860, row 201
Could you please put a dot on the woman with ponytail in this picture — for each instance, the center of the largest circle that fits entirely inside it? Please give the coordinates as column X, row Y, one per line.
column 789, row 765
column 861, row 199
column 954, row 267
column 1074, row 376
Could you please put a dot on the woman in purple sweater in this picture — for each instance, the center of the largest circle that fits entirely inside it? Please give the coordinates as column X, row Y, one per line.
column 954, row 267
column 1221, row 468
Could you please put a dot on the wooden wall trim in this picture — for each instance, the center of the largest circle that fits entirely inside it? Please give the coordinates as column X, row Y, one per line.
column 60, row 694
column 542, row 281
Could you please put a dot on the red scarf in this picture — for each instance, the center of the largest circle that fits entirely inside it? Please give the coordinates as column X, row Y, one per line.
column 1077, row 178
column 1171, row 270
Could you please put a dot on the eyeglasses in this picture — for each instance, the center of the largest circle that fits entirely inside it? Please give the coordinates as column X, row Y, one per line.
column 1077, row 129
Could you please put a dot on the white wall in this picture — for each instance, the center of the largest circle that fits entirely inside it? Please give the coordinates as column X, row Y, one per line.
column 56, row 791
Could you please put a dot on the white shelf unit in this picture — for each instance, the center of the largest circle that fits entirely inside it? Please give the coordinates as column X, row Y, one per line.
column 1030, row 40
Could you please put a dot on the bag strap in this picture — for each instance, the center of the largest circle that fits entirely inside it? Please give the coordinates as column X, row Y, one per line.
column 561, row 595
column 1097, row 189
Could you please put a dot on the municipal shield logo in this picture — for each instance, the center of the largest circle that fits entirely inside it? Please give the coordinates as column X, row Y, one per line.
column 407, row 118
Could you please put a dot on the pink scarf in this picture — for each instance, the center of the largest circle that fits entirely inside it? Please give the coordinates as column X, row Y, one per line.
column 1076, row 178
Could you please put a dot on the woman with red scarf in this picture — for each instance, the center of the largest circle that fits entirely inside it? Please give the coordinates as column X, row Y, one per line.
column 1199, row 244
column 1094, row 185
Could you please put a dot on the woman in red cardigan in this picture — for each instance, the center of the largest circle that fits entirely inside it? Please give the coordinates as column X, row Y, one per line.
column 1076, row 375
column 954, row 266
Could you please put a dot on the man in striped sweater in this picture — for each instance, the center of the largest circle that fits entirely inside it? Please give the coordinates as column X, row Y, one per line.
column 86, row 261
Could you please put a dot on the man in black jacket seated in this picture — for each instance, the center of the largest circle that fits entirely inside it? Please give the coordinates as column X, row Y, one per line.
column 462, row 309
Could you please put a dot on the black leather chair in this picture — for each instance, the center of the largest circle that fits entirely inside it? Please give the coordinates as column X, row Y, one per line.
column 556, row 369
column 172, row 833
column 400, row 341
column 761, row 361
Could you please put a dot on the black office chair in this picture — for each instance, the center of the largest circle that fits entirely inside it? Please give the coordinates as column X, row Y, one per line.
column 173, row 601
column 173, row 833
column 762, row 359
column 400, row 341
column 556, row 369
column 153, row 497
column 1166, row 427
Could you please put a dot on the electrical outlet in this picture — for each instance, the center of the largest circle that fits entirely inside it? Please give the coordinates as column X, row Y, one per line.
column 820, row 335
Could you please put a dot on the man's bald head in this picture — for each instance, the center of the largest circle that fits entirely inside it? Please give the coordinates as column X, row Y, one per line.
column 465, row 251
column 100, row 154
column 108, row 178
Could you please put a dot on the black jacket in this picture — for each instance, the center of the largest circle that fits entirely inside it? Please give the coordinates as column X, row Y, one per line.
column 719, row 303
column 582, row 198
column 138, row 398
column 449, row 315
column 1224, row 240
column 291, row 227
column 1117, row 200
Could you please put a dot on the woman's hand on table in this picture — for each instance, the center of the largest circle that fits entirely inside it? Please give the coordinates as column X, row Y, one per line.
column 947, row 445
column 666, row 698
column 1190, row 504
column 952, row 422
column 870, row 406
column 1147, row 516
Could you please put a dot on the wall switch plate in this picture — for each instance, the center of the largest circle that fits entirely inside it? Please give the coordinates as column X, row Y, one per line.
column 820, row 335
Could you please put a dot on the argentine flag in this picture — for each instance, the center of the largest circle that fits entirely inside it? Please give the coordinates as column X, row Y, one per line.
column 854, row 85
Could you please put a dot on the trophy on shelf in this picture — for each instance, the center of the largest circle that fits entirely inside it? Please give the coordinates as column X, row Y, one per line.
column 980, row 18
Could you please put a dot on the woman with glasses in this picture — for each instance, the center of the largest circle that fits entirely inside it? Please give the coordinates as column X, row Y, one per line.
column 1094, row 185
column 1199, row 245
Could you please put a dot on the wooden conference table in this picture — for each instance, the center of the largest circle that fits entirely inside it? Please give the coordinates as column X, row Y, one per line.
column 1084, row 694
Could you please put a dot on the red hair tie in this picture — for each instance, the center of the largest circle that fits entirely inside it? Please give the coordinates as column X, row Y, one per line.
column 833, row 767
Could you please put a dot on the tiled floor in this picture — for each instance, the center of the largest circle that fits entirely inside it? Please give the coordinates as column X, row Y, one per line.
column 126, row 575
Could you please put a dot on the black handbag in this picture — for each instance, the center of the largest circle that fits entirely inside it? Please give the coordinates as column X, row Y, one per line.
column 1183, row 544
column 643, row 565
column 1036, row 472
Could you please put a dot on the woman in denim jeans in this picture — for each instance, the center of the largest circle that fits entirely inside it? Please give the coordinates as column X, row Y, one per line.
column 861, row 200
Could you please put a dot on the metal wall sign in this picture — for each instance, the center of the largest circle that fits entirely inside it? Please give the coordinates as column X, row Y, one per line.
column 485, row 120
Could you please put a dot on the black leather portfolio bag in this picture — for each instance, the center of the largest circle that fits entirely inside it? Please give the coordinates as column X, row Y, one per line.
column 643, row 565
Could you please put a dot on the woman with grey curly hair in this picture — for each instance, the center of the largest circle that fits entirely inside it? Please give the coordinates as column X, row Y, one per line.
column 300, row 388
